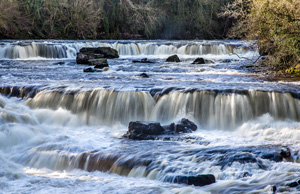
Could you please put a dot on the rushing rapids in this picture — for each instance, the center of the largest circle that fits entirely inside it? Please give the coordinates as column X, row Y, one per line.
column 61, row 129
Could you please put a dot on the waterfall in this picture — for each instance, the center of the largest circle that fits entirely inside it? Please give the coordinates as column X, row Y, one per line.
column 208, row 108
column 226, row 110
column 33, row 50
column 99, row 106
column 68, row 50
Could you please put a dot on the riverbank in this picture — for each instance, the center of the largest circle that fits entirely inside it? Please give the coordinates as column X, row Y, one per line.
column 275, row 72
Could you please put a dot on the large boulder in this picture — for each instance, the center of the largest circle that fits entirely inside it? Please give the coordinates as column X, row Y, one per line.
column 88, row 53
column 199, row 60
column 199, row 180
column 107, row 52
column 138, row 130
column 173, row 58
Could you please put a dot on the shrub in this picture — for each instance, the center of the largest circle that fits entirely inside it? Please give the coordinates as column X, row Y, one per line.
column 275, row 24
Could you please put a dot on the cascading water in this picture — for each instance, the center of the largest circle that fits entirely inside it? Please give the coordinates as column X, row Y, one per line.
column 99, row 107
column 58, row 50
column 62, row 129
column 214, row 110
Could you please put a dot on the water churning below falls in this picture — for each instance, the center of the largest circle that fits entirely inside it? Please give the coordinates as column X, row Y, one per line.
column 61, row 130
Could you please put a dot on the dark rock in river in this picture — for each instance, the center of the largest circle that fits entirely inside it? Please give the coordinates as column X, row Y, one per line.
column 286, row 153
column 143, row 130
column 83, row 58
column 226, row 61
column 173, row 58
column 60, row 63
column 294, row 184
column 98, row 63
column 86, row 54
column 145, row 60
column 151, row 130
column 89, row 70
column 199, row 60
column 107, row 52
column 144, row 75
column 200, row 180
column 185, row 126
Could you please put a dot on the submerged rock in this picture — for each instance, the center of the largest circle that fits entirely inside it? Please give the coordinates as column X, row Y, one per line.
column 89, row 70
column 60, row 63
column 294, row 184
column 199, row 60
column 173, row 58
column 143, row 75
column 199, row 180
column 145, row 60
column 226, row 61
column 138, row 130
column 242, row 157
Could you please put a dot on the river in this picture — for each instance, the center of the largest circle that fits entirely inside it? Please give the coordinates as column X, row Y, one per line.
column 61, row 129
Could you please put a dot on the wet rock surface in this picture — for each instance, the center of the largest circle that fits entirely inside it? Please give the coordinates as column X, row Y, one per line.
column 145, row 60
column 20, row 92
column 293, row 184
column 83, row 58
column 138, row 130
column 143, row 130
column 199, row 60
column 98, row 63
column 183, row 126
column 143, row 75
column 107, row 52
column 173, row 58
column 199, row 180
column 86, row 55
column 89, row 70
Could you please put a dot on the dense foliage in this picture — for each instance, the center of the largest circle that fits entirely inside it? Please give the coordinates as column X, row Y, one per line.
column 276, row 26
column 112, row 19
